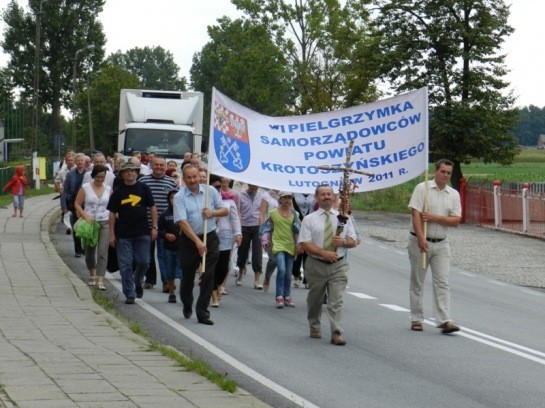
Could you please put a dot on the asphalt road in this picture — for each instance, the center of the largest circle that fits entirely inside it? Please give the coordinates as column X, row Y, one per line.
column 497, row 360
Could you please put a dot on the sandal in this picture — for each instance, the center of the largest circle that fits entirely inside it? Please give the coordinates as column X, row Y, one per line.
column 92, row 281
column 223, row 292
column 417, row 326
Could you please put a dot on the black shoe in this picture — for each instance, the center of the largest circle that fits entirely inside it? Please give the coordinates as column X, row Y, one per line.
column 148, row 286
column 129, row 301
column 78, row 255
column 187, row 312
column 139, row 291
column 172, row 299
column 206, row 321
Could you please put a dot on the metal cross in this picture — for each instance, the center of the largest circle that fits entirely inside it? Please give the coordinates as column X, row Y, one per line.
column 347, row 187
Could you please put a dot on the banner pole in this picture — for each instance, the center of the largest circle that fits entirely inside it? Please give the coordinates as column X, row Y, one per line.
column 425, row 223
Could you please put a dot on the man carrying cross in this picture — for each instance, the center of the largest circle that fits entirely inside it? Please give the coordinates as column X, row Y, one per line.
column 326, row 266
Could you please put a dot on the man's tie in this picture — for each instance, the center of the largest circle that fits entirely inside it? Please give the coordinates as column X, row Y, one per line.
column 328, row 233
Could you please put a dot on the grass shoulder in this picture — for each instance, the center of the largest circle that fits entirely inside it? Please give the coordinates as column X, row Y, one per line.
column 6, row 199
column 529, row 166
column 196, row 366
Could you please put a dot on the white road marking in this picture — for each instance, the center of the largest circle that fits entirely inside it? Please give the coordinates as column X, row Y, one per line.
column 296, row 399
column 488, row 340
column 400, row 252
column 495, row 342
column 467, row 274
column 532, row 292
column 395, row 308
column 361, row 295
column 508, row 343
column 497, row 283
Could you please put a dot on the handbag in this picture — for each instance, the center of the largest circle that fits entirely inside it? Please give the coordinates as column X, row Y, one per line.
column 77, row 224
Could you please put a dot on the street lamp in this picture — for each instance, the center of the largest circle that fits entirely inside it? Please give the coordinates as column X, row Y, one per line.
column 37, row 74
column 74, row 62
column 89, row 113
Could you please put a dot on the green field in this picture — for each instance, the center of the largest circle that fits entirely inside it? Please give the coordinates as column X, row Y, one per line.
column 529, row 166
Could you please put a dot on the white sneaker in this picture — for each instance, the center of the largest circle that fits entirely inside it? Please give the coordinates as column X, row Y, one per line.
column 280, row 302
column 258, row 286
column 288, row 302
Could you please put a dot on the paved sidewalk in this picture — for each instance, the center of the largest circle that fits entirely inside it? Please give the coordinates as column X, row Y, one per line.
column 59, row 349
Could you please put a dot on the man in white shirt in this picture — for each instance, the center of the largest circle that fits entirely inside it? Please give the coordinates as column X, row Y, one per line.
column 442, row 211
column 326, row 265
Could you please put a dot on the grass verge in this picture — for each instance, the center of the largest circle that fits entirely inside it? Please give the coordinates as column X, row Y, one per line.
column 196, row 366
column 103, row 301
column 6, row 199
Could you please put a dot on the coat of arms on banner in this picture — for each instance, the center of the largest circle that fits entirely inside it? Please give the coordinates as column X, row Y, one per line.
column 231, row 143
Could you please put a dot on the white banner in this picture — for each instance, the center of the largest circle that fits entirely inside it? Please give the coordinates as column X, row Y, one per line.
column 390, row 142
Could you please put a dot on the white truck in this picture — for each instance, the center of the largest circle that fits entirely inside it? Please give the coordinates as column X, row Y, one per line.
column 168, row 123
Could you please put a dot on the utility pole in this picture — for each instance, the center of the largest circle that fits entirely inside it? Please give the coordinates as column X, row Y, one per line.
column 37, row 75
column 91, row 134
column 74, row 73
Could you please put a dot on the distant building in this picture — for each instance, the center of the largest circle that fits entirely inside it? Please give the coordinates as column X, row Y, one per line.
column 541, row 142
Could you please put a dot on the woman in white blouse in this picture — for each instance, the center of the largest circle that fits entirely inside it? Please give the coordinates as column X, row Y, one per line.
column 229, row 231
column 90, row 204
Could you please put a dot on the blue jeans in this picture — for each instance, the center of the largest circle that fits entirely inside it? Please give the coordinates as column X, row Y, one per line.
column 131, row 250
column 284, row 265
column 172, row 261
column 161, row 259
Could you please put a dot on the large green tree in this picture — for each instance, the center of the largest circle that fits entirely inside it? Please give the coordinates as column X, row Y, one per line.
column 68, row 27
column 454, row 48
column 154, row 67
column 531, row 125
column 324, row 42
column 103, row 100
column 242, row 61
column 6, row 86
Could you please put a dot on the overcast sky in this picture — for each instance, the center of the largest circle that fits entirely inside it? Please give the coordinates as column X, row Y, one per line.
column 179, row 26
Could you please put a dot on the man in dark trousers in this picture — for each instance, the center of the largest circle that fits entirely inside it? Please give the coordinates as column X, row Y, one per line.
column 190, row 212
column 160, row 185
column 130, row 232
column 72, row 184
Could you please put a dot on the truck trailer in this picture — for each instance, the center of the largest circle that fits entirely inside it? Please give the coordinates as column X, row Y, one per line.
column 168, row 123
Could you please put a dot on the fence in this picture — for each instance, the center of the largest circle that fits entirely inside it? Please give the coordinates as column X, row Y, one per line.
column 513, row 207
column 6, row 173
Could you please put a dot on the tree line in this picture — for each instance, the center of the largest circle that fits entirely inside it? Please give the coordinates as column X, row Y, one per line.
column 282, row 57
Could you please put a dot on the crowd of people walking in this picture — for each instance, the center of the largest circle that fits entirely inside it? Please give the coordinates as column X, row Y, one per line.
column 155, row 219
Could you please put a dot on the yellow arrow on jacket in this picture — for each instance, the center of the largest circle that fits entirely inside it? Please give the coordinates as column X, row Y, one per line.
column 133, row 200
